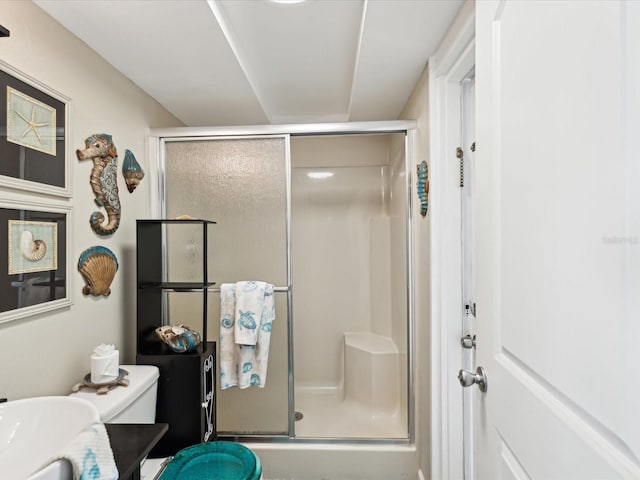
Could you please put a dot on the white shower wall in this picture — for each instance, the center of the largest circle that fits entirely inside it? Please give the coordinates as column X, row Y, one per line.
column 348, row 251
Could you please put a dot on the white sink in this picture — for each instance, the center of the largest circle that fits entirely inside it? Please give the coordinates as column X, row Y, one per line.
column 35, row 430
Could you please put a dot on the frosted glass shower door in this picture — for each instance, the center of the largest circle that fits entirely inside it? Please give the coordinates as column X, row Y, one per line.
column 241, row 183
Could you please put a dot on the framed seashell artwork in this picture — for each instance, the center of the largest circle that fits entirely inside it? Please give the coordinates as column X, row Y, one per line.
column 32, row 246
column 34, row 274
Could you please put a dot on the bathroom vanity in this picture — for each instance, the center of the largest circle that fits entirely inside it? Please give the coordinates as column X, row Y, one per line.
column 131, row 443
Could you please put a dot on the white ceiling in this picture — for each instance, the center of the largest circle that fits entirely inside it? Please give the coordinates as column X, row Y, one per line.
column 247, row 62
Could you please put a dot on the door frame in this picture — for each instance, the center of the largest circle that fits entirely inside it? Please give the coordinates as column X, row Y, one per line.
column 448, row 67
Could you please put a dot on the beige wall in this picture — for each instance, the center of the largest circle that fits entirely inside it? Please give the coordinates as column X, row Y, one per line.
column 417, row 108
column 49, row 353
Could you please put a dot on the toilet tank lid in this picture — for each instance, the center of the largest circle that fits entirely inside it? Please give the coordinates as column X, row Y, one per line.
column 140, row 377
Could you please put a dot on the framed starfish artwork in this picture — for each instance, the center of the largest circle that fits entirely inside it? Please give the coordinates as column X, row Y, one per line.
column 34, row 150
column 30, row 122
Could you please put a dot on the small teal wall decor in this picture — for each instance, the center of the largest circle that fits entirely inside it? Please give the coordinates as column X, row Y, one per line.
column 131, row 171
column 423, row 187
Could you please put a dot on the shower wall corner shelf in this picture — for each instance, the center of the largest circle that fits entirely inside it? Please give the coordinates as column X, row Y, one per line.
column 186, row 387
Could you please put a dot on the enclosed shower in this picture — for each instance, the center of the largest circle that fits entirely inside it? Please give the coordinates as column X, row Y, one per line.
column 325, row 217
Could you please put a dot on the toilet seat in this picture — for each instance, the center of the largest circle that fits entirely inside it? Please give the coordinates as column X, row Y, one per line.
column 214, row 461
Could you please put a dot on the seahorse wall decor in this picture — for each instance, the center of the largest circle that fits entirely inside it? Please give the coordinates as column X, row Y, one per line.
column 423, row 187
column 104, row 181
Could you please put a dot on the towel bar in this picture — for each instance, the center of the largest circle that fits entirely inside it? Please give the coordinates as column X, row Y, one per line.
column 275, row 289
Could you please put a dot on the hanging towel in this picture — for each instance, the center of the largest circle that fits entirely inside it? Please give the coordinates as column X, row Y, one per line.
column 229, row 351
column 248, row 311
column 244, row 365
column 90, row 455
column 264, row 339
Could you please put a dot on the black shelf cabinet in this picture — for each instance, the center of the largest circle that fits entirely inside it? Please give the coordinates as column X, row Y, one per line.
column 186, row 397
column 153, row 280
column 186, row 387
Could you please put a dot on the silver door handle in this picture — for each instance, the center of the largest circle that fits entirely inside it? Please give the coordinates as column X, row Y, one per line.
column 468, row 378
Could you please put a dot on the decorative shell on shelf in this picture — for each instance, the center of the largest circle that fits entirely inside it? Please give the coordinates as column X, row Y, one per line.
column 131, row 171
column 31, row 249
column 98, row 265
column 179, row 338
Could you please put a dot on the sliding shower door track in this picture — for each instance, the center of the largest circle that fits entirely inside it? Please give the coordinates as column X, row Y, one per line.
column 285, row 439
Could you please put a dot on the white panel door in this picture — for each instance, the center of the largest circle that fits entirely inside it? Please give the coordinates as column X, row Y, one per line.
column 557, row 239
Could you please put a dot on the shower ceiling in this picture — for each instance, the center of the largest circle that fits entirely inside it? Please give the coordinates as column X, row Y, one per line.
column 243, row 62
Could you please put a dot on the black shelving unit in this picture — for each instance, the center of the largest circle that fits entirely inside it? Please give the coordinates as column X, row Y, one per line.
column 186, row 387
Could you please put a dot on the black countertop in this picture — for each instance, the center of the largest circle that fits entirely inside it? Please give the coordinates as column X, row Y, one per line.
column 131, row 442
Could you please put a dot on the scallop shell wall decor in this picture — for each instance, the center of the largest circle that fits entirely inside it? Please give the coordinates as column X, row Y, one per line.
column 31, row 249
column 131, row 171
column 98, row 266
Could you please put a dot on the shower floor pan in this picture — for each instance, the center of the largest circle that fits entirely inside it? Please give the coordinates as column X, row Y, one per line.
column 368, row 406
column 327, row 414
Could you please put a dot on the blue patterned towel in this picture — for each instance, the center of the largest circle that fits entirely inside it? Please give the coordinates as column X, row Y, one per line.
column 244, row 365
column 248, row 312
column 228, row 348
column 90, row 455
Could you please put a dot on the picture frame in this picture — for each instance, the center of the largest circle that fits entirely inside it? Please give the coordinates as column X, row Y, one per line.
column 35, row 150
column 34, row 279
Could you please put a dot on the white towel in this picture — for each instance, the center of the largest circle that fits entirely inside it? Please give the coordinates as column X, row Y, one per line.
column 240, row 364
column 90, row 455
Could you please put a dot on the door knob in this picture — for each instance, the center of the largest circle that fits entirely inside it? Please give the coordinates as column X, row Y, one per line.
column 468, row 378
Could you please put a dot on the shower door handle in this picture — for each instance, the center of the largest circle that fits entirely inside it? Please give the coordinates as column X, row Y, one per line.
column 468, row 378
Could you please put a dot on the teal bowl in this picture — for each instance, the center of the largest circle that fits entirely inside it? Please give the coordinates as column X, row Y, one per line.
column 213, row 461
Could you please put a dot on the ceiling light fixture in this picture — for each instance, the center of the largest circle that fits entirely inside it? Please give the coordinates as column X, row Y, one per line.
column 287, row 1
column 319, row 175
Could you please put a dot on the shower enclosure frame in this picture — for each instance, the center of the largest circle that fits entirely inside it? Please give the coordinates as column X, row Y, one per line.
column 158, row 138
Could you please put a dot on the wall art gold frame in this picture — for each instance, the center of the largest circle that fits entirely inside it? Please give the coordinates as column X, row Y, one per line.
column 35, row 150
column 31, row 283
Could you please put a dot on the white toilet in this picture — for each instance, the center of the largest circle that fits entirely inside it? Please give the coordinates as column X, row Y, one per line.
column 133, row 404
column 136, row 403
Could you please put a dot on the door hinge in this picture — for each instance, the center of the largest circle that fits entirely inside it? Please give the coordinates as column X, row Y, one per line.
column 460, row 156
